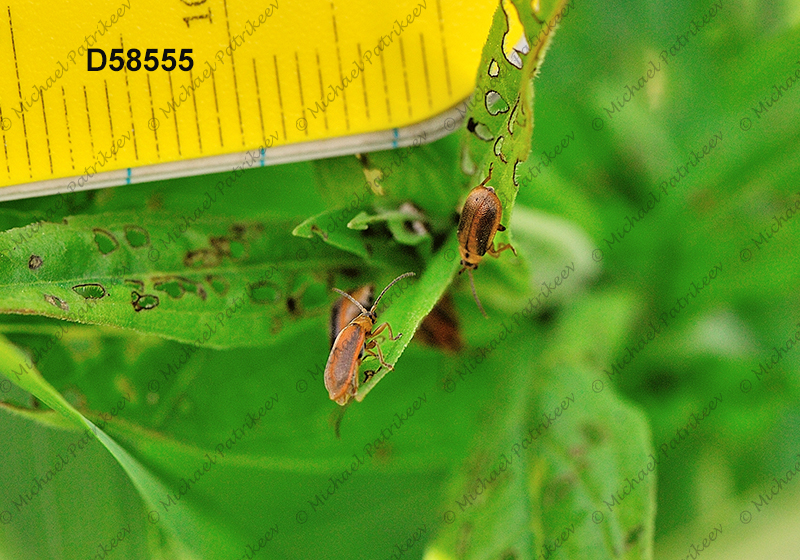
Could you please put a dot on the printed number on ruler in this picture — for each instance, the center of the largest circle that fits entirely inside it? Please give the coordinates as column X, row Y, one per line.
column 135, row 62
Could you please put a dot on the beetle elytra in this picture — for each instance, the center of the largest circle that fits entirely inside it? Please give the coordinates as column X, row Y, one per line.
column 351, row 344
column 480, row 221
column 344, row 311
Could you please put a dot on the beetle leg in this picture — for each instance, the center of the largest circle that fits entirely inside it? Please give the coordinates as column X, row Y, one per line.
column 353, row 387
column 503, row 246
column 370, row 373
column 368, row 350
column 381, row 328
column 380, row 358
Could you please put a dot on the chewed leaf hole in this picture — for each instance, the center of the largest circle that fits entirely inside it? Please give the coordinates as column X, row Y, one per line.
column 222, row 245
column 58, row 302
column 514, row 41
column 202, row 258
column 173, row 289
column 516, row 113
column 35, row 262
column 218, row 284
column 247, row 231
column 515, row 175
column 176, row 286
column 495, row 103
column 194, row 288
column 263, row 292
column 494, row 69
column 498, row 149
column 238, row 230
column 143, row 302
column 137, row 283
column 90, row 291
column 106, row 243
column 480, row 130
column 136, row 236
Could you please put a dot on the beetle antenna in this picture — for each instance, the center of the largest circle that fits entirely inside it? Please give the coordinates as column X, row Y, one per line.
column 336, row 419
column 392, row 283
column 489, row 177
column 348, row 296
column 475, row 294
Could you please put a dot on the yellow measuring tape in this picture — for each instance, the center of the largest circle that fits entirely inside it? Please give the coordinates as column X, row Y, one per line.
column 176, row 80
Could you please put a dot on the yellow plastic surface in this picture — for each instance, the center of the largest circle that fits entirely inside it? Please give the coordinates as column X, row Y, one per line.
column 265, row 73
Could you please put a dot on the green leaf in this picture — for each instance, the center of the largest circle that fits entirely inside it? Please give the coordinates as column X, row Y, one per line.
column 406, row 308
column 84, row 503
column 149, row 487
column 212, row 284
column 550, row 455
column 499, row 120
column 510, row 127
column 405, row 223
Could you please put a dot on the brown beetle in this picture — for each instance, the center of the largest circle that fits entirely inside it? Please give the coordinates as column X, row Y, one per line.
column 480, row 221
column 440, row 328
column 344, row 311
column 341, row 371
